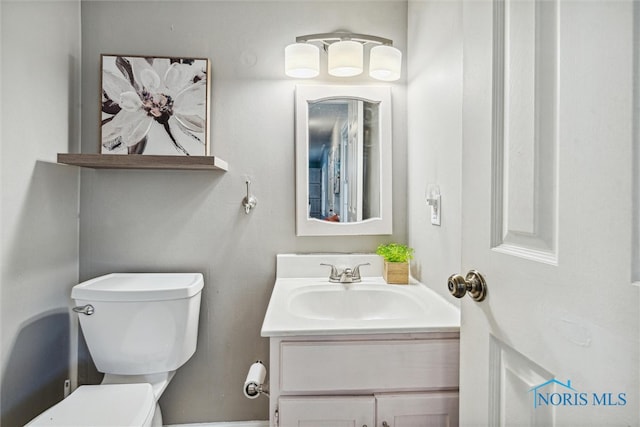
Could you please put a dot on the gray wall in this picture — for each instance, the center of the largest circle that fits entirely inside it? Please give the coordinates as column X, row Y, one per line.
column 434, row 105
column 175, row 220
column 40, row 75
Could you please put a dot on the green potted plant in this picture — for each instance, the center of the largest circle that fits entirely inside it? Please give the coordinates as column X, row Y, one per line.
column 396, row 262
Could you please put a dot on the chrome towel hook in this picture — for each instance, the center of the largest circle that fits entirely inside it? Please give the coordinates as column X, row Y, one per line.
column 250, row 201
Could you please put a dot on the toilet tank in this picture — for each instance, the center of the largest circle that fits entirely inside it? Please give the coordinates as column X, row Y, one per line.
column 142, row 323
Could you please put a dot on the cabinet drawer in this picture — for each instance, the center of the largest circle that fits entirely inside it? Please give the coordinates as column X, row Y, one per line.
column 348, row 366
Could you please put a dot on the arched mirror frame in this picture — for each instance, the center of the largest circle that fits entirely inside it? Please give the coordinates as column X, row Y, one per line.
column 306, row 226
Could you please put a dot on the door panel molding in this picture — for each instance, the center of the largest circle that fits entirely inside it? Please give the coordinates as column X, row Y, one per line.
column 524, row 134
column 511, row 378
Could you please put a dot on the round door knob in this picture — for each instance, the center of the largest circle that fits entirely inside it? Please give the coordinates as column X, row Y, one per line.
column 473, row 284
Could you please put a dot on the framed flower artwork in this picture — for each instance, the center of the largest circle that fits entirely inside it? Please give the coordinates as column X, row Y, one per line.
column 155, row 105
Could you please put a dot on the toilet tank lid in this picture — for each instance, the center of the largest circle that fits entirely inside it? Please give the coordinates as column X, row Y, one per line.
column 139, row 287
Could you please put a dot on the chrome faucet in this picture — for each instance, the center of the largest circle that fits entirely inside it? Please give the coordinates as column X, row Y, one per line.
column 347, row 275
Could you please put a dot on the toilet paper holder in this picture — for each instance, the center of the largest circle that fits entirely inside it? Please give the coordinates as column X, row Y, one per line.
column 254, row 384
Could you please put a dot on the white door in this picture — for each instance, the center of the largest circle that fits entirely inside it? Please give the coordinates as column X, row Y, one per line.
column 548, row 114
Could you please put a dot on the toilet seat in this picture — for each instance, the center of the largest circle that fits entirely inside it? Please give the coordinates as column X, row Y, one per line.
column 102, row 405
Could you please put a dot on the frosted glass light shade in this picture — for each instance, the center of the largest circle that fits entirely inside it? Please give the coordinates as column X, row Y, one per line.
column 302, row 60
column 345, row 58
column 385, row 63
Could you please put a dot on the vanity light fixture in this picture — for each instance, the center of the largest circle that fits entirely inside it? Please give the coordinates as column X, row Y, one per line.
column 345, row 56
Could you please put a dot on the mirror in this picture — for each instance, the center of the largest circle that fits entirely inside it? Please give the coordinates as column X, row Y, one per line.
column 343, row 160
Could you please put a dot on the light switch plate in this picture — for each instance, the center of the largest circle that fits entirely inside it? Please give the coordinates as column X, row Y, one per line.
column 434, row 201
column 435, row 211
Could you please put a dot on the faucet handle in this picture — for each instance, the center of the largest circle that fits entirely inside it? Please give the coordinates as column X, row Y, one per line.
column 356, row 271
column 334, row 276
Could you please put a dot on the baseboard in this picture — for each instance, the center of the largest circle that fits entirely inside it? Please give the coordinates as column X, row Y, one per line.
column 226, row 424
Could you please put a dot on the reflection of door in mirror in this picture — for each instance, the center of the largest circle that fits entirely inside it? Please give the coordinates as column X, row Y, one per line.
column 344, row 160
column 352, row 153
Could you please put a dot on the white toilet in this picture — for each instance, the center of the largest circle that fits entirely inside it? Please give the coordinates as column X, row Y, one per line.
column 140, row 328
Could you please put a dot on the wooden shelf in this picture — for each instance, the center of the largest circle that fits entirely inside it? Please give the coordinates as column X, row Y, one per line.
column 138, row 161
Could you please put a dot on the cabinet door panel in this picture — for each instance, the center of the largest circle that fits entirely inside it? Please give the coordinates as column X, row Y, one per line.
column 418, row 410
column 346, row 411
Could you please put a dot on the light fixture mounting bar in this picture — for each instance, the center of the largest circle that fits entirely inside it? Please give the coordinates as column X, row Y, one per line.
column 328, row 38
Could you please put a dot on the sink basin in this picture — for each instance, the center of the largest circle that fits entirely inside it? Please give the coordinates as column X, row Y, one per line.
column 304, row 302
column 354, row 302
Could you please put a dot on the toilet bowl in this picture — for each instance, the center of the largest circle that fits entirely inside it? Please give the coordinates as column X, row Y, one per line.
column 139, row 328
column 102, row 406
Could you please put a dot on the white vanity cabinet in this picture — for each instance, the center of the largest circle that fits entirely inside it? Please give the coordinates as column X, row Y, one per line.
column 395, row 380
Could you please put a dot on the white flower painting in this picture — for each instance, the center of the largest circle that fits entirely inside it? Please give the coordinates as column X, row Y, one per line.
column 154, row 105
